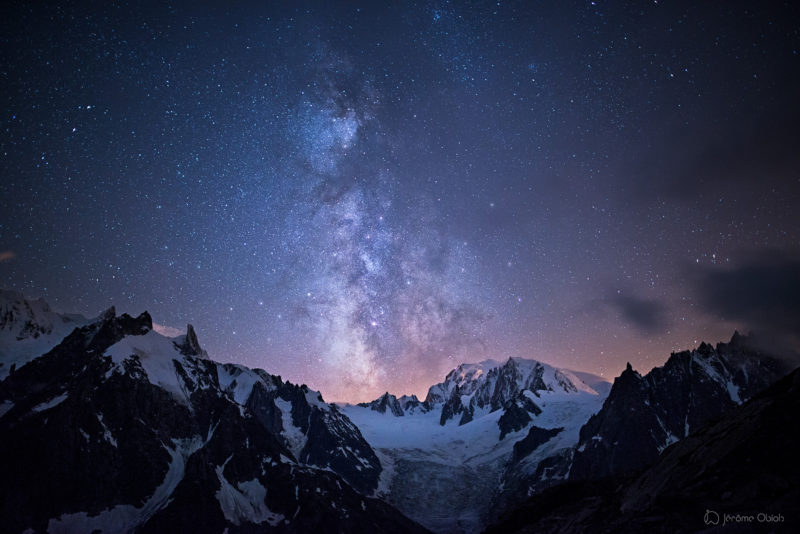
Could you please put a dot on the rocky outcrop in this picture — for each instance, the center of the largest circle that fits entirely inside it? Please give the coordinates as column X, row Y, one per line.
column 536, row 436
column 188, row 344
column 517, row 414
column 398, row 407
column 411, row 404
column 385, row 402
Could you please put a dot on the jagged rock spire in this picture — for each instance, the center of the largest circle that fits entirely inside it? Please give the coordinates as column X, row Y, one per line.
column 190, row 345
column 108, row 314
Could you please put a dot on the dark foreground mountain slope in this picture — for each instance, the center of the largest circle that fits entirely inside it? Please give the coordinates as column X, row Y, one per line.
column 738, row 474
column 120, row 429
column 644, row 414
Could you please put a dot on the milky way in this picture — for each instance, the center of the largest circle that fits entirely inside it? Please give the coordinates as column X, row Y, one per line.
column 362, row 197
column 384, row 286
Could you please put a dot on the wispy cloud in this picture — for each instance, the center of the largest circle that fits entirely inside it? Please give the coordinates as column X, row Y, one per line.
column 763, row 292
column 645, row 315
column 168, row 331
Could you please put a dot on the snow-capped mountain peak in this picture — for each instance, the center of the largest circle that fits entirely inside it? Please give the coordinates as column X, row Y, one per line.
column 460, row 378
column 510, row 414
column 155, row 354
column 29, row 328
column 491, row 384
column 384, row 403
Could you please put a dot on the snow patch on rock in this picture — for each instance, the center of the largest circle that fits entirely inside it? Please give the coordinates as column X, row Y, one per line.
column 126, row 518
column 237, row 380
column 156, row 354
column 52, row 403
column 245, row 502
column 295, row 439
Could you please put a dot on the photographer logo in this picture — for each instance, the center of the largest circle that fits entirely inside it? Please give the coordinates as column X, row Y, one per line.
column 711, row 518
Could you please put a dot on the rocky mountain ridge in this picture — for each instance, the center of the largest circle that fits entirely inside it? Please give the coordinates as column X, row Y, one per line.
column 120, row 429
column 135, row 431
column 645, row 414
column 743, row 465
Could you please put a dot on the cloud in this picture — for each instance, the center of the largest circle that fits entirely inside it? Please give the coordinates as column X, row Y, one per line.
column 648, row 316
column 7, row 255
column 754, row 152
column 763, row 292
column 168, row 331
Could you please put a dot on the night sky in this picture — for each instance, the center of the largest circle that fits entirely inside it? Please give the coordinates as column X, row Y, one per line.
column 360, row 198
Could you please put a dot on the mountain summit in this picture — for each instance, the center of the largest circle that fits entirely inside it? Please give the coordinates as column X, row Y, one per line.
column 493, row 385
column 448, row 453
column 29, row 328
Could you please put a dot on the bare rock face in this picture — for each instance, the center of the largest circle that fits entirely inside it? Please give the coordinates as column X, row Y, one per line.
column 536, row 436
column 517, row 414
column 188, row 344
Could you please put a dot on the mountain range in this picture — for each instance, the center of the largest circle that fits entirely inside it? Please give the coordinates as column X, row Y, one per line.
column 109, row 426
column 120, row 429
column 449, row 457
column 739, row 473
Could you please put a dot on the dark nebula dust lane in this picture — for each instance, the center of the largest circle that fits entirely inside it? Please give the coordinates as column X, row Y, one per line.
column 362, row 197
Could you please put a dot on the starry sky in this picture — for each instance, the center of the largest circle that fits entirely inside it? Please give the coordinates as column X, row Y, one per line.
column 361, row 196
